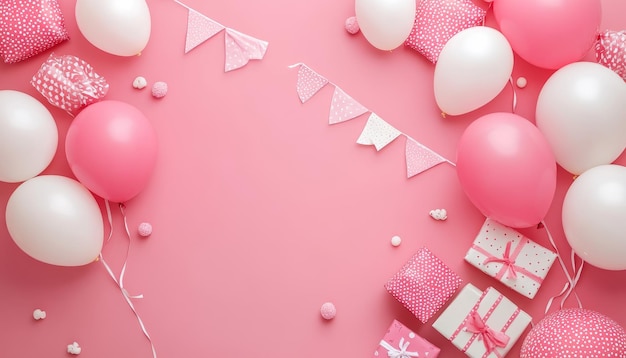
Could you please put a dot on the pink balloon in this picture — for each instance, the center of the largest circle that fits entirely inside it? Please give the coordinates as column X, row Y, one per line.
column 549, row 34
column 575, row 332
column 111, row 148
column 507, row 169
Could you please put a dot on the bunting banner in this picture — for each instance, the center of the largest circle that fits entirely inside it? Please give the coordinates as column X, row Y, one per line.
column 239, row 47
column 377, row 131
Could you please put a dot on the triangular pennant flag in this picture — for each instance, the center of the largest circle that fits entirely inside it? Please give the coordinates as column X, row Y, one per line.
column 199, row 29
column 344, row 107
column 241, row 48
column 377, row 132
column 420, row 158
column 309, row 83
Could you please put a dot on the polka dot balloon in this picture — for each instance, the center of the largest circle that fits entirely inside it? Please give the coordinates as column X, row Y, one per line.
column 575, row 332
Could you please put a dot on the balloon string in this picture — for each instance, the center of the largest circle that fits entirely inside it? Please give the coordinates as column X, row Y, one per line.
column 514, row 94
column 570, row 285
column 120, row 282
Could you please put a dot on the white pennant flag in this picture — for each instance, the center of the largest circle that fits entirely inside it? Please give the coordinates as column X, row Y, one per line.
column 344, row 107
column 199, row 29
column 241, row 48
column 377, row 132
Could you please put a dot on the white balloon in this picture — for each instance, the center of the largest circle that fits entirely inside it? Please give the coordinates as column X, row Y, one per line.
column 594, row 216
column 55, row 220
column 386, row 24
column 119, row 27
column 473, row 68
column 581, row 111
column 28, row 136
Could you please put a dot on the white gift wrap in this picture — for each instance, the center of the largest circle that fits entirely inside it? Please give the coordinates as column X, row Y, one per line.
column 497, row 312
column 522, row 267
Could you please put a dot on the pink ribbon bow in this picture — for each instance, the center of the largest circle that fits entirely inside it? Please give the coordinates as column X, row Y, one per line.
column 506, row 260
column 490, row 337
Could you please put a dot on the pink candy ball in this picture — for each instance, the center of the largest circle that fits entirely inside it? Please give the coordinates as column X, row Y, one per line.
column 352, row 25
column 159, row 89
column 328, row 310
column 575, row 332
column 144, row 229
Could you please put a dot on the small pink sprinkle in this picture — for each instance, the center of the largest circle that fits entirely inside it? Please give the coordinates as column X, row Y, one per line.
column 352, row 26
column 159, row 89
column 328, row 310
column 145, row 229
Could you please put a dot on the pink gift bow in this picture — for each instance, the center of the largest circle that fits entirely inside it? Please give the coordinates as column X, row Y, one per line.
column 401, row 351
column 490, row 337
column 508, row 260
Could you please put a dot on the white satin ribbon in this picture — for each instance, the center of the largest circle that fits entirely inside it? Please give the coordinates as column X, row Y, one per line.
column 120, row 282
column 401, row 351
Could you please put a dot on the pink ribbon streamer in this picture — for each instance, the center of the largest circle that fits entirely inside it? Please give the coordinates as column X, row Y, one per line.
column 120, row 282
column 490, row 337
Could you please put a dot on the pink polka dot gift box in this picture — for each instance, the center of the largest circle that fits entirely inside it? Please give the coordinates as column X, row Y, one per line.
column 424, row 284
column 400, row 341
column 482, row 324
column 510, row 257
column 29, row 27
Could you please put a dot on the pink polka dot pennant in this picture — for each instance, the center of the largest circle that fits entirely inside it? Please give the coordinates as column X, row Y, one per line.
column 241, row 48
column 420, row 158
column 436, row 21
column 309, row 82
column 199, row 29
column 611, row 51
column 29, row 27
column 344, row 108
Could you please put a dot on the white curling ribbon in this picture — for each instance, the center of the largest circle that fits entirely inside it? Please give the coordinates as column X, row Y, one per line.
column 401, row 351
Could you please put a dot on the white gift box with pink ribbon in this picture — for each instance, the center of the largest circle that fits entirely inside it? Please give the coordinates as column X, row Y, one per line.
column 482, row 324
column 510, row 257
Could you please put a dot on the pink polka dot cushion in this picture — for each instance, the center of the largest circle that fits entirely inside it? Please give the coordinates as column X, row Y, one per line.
column 29, row 27
column 436, row 21
column 424, row 284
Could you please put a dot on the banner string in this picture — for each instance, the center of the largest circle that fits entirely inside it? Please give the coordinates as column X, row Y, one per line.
column 120, row 282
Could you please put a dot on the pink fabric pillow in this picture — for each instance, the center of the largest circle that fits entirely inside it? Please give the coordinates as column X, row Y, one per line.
column 436, row 21
column 29, row 27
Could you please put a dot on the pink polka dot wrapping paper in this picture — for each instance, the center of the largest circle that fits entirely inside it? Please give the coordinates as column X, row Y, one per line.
column 610, row 51
column 69, row 83
column 29, row 27
column 510, row 257
column 400, row 341
column 436, row 21
column 498, row 316
column 424, row 284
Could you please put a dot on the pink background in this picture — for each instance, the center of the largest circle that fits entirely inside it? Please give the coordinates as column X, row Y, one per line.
column 261, row 210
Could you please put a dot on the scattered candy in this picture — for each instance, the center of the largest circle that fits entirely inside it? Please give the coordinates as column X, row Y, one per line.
column 352, row 26
column 140, row 82
column 159, row 89
column 39, row 314
column 144, row 229
column 521, row 82
column 396, row 240
column 73, row 348
column 439, row 214
column 328, row 310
